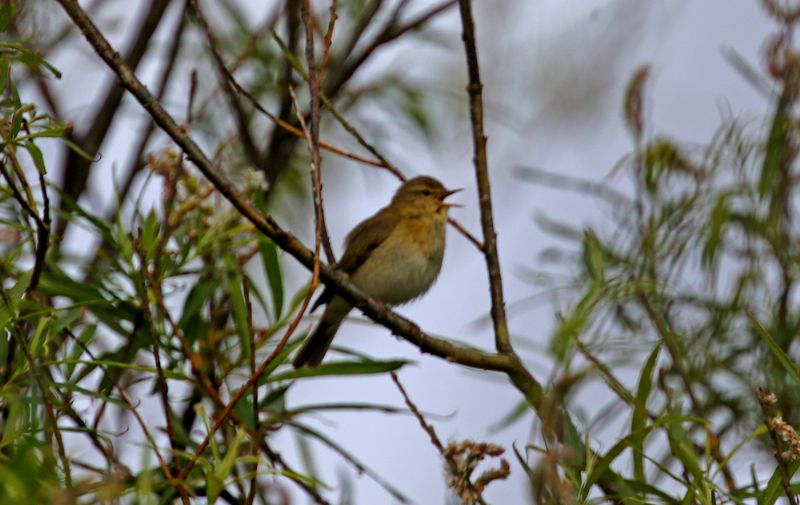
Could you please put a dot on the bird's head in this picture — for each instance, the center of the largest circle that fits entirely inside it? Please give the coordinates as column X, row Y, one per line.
column 424, row 195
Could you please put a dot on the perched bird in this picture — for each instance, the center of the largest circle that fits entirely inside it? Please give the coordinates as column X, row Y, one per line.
column 394, row 256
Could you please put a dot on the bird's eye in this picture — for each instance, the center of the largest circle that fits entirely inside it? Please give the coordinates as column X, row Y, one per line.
column 426, row 192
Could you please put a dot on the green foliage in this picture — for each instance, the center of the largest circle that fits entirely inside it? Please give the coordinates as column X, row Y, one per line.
column 694, row 285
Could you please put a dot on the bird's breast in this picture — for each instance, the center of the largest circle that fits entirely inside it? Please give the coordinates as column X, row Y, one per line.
column 406, row 264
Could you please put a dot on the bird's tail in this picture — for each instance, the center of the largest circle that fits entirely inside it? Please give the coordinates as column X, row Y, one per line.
column 317, row 345
column 319, row 341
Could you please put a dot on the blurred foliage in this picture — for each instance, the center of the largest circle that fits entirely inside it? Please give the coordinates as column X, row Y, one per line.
column 695, row 285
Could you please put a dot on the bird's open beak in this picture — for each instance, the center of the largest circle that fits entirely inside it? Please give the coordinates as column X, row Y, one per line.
column 445, row 195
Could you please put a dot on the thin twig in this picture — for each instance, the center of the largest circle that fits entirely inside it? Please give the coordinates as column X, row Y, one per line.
column 449, row 458
column 312, row 134
column 251, row 495
column 42, row 222
column 475, row 91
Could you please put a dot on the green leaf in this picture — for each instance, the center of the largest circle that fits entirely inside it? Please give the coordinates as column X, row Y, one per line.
column 605, row 461
column 6, row 15
column 216, row 480
column 54, row 282
column 36, row 156
column 272, row 268
column 78, row 350
column 76, row 148
column 340, row 368
column 683, row 449
column 280, row 359
column 778, row 150
column 39, row 337
column 352, row 459
column 149, row 233
column 198, row 296
column 169, row 374
column 14, row 296
column 241, row 312
column 593, row 256
column 639, row 418
column 783, row 358
column 571, row 327
column 774, row 489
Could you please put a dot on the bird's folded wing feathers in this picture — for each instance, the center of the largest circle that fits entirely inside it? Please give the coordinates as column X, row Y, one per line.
column 360, row 242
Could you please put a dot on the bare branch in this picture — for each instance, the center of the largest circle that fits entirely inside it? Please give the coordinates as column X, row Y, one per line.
column 475, row 91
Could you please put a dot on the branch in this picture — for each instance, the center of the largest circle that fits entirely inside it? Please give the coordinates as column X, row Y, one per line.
column 475, row 91
column 312, row 135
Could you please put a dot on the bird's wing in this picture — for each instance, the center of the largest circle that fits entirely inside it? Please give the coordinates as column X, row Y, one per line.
column 360, row 242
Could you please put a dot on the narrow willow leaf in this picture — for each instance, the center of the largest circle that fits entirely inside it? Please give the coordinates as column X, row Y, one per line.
column 272, row 268
column 783, row 358
column 639, row 418
column 336, row 368
column 240, row 310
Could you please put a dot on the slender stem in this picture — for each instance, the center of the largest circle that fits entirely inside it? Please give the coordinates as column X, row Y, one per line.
column 475, row 91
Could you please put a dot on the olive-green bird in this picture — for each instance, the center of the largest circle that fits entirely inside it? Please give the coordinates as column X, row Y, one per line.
column 394, row 256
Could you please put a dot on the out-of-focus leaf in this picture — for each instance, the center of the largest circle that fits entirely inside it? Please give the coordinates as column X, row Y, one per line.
column 36, row 156
column 217, row 478
column 6, row 15
column 774, row 489
column 786, row 362
column 593, row 256
column 272, row 267
column 629, row 441
column 719, row 219
column 779, row 149
column 149, row 234
column 198, row 296
column 340, row 368
column 572, row 325
column 639, row 418
column 683, row 449
column 78, row 350
column 241, row 313
column 14, row 296
column 517, row 413
column 55, row 282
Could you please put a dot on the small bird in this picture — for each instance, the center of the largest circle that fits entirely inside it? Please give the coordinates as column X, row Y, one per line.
column 394, row 256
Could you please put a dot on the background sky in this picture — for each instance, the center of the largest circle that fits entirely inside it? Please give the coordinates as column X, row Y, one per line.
column 554, row 73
